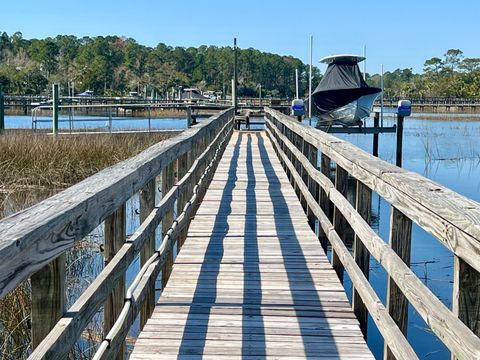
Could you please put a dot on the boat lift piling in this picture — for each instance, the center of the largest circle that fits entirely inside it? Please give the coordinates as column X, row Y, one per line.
column 404, row 108
column 376, row 119
column 398, row 161
column 377, row 129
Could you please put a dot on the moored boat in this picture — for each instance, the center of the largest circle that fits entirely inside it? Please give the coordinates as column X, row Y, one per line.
column 342, row 96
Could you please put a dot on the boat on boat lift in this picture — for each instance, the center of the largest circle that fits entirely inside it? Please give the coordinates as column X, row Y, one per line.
column 343, row 97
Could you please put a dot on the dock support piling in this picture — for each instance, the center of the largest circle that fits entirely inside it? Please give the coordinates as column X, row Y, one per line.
column 55, row 109
column 376, row 120
column 399, row 140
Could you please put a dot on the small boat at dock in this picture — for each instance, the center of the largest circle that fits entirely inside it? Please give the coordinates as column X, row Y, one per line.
column 343, row 97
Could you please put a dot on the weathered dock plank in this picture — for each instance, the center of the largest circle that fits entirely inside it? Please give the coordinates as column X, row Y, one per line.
column 251, row 280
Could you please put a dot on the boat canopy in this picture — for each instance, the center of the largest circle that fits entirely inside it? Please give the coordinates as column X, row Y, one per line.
column 342, row 84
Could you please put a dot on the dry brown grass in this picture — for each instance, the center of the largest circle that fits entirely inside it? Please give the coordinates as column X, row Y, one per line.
column 15, row 323
column 44, row 161
column 33, row 167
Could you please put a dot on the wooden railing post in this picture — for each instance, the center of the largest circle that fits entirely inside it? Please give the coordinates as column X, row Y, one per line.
column 323, row 200
column 115, row 234
column 298, row 164
column 182, row 168
column 400, row 241
column 302, row 146
column 147, row 204
column 48, row 298
column 313, row 187
column 168, row 180
column 362, row 256
column 339, row 223
column 290, row 155
column 466, row 299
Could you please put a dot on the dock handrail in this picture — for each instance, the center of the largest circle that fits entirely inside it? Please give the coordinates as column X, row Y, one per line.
column 451, row 218
column 33, row 238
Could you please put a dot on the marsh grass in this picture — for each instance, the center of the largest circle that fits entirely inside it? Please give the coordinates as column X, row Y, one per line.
column 43, row 161
column 32, row 168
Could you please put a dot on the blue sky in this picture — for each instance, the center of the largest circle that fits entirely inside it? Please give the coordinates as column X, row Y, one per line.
column 399, row 34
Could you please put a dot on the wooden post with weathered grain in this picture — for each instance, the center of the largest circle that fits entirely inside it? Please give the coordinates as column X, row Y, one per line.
column 115, row 235
column 48, row 298
column 363, row 206
column 400, row 241
column 55, row 108
column 302, row 146
column 2, row 112
column 323, row 200
column 168, row 180
column 466, row 295
column 312, row 185
column 339, row 222
column 182, row 168
column 399, row 141
column 147, row 204
column 376, row 121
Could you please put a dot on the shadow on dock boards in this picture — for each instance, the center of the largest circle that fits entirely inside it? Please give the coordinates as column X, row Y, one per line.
column 205, row 292
column 306, row 302
column 262, row 326
column 253, row 333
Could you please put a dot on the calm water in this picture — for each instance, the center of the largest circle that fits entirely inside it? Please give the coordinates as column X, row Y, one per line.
column 445, row 152
column 97, row 122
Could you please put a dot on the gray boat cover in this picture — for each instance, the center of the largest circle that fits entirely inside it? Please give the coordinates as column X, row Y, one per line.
column 342, row 84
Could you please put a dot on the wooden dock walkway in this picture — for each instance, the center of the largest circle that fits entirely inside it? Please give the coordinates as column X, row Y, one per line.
column 251, row 280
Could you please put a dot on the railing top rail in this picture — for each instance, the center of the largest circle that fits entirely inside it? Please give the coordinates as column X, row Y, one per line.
column 452, row 218
column 33, row 237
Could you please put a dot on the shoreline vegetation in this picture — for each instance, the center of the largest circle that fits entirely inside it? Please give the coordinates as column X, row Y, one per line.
column 42, row 161
column 32, row 168
column 115, row 66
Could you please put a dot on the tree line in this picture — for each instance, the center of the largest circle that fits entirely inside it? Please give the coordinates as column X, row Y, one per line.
column 114, row 66
column 452, row 75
